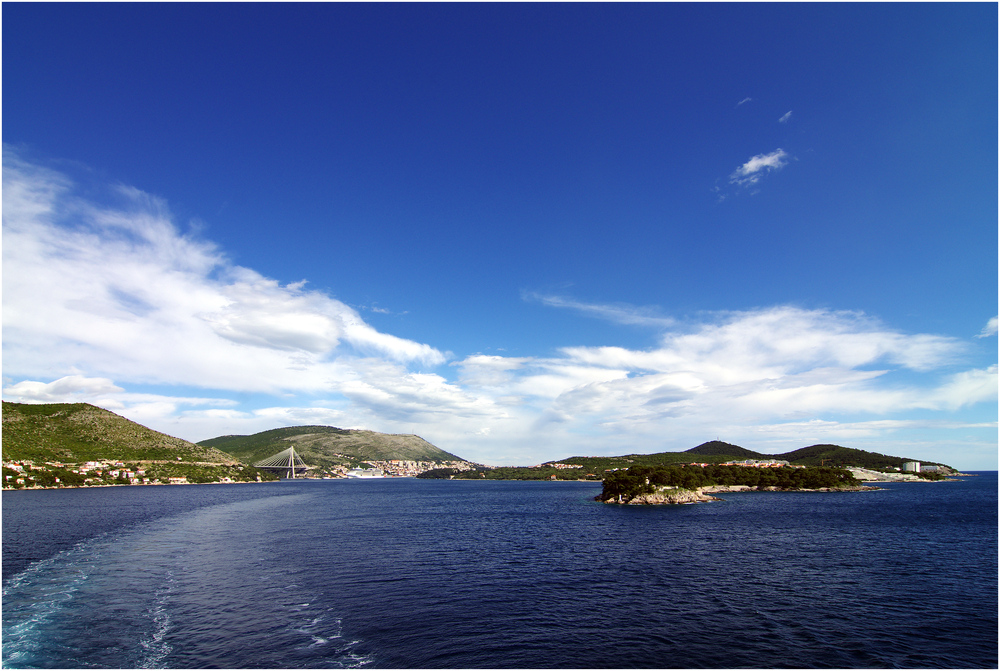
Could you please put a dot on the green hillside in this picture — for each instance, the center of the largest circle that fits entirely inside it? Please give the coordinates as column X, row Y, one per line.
column 717, row 452
column 80, row 432
column 328, row 446
column 717, row 448
column 835, row 455
column 713, row 452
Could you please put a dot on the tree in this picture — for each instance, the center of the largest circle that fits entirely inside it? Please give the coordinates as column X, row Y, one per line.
column 626, row 485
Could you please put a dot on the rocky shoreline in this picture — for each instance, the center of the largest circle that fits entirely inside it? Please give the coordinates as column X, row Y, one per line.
column 670, row 497
column 676, row 496
column 866, row 475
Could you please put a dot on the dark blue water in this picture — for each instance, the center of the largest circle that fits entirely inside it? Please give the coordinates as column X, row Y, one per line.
column 462, row 574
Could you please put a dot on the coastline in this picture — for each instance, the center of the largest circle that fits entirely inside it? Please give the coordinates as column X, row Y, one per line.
column 138, row 484
column 676, row 496
column 665, row 496
column 867, row 475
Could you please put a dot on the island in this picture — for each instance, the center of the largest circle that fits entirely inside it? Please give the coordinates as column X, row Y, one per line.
column 694, row 483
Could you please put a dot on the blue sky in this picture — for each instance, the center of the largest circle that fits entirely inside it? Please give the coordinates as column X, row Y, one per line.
column 523, row 232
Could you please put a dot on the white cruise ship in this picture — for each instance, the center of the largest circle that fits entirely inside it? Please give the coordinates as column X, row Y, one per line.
column 365, row 473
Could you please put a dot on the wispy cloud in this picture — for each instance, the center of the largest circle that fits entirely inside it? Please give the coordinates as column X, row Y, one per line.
column 103, row 392
column 779, row 341
column 620, row 313
column 113, row 305
column 122, row 291
column 62, row 389
column 785, row 117
column 751, row 172
column 745, row 100
column 990, row 329
column 735, row 371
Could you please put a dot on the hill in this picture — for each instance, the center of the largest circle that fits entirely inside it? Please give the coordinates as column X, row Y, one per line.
column 835, row 455
column 716, row 448
column 327, row 446
column 80, row 432
column 717, row 452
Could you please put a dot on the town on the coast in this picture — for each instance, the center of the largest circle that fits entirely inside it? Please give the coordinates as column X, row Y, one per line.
column 26, row 473
column 80, row 445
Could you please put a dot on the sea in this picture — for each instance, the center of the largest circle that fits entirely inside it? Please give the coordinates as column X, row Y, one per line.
column 410, row 573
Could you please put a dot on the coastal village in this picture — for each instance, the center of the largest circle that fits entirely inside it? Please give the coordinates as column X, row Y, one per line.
column 398, row 468
column 27, row 474
column 79, row 445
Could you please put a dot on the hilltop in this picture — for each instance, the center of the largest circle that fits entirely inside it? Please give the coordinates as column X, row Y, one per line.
column 327, row 447
column 712, row 452
column 78, row 444
column 717, row 452
column 717, row 448
column 814, row 455
column 80, row 432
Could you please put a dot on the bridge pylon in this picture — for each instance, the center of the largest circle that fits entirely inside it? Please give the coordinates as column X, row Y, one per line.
column 285, row 463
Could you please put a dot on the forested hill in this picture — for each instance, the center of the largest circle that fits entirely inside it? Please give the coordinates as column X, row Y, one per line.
column 717, row 452
column 715, row 448
column 328, row 446
column 80, row 432
column 814, row 455
column 835, row 455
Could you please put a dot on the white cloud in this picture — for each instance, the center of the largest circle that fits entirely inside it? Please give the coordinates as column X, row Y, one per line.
column 990, row 329
column 102, row 392
column 388, row 391
column 742, row 369
column 750, row 172
column 745, row 100
column 119, row 292
column 772, row 342
column 482, row 370
column 63, row 390
column 822, row 431
column 771, row 376
column 620, row 313
column 101, row 301
column 967, row 388
column 785, row 117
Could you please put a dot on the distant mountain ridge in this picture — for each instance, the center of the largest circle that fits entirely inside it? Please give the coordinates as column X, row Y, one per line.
column 79, row 432
column 814, row 455
column 717, row 451
column 329, row 446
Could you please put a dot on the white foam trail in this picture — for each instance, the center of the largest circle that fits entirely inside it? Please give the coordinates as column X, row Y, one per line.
column 155, row 647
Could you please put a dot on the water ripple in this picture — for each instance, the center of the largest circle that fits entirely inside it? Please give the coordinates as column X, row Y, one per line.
column 520, row 575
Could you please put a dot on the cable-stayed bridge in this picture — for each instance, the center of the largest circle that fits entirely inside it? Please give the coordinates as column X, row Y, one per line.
column 286, row 464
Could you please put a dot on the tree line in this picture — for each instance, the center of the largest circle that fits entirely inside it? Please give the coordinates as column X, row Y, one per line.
column 632, row 482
